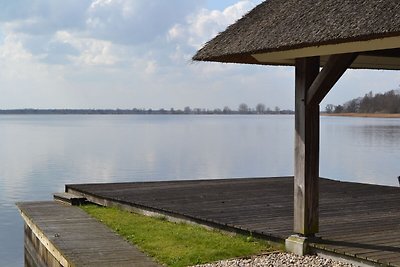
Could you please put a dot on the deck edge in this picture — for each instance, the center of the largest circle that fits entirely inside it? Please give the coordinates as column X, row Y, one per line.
column 174, row 217
column 44, row 240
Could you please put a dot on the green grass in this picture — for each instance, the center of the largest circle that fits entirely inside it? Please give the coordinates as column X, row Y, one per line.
column 176, row 244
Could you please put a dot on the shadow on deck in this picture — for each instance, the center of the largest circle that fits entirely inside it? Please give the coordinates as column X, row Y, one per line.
column 356, row 220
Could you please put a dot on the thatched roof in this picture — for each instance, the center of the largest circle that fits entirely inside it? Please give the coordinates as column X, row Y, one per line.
column 278, row 31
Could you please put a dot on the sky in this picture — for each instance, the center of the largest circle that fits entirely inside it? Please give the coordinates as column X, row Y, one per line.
column 137, row 54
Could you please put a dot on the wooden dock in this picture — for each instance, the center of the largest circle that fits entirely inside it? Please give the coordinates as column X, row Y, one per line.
column 60, row 235
column 356, row 220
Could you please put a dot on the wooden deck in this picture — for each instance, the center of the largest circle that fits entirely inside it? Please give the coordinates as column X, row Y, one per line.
column 357, row 220
column 60, row 235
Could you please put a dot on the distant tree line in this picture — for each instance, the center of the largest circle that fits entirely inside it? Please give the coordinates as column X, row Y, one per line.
column 242, row 109
column 388, row 102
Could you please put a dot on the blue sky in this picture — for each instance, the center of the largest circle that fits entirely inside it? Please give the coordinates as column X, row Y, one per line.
column 222, row 4
column 136, row 53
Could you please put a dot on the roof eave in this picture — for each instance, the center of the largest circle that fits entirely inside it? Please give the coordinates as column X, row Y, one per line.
column 287, row 56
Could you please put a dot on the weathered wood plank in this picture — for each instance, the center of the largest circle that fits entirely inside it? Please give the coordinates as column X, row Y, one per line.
column 353, row 216
column 306, row 171
column 70, row 199
column 69, row 237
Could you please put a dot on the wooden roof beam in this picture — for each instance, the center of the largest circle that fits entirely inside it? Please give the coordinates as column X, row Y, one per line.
column 334, row 68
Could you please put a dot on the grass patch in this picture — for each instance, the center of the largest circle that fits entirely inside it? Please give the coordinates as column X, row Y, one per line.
column 176, row 244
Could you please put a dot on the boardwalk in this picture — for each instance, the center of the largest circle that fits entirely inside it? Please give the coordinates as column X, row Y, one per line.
column 73, row 239
column 355, row 219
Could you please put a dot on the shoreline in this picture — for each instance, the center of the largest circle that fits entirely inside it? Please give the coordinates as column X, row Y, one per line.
column 362, row 115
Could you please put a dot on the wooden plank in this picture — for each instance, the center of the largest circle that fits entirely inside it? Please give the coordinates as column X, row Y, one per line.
column 306, row 172
column 334, row 68
column 372, row 251
column 354, row 216
column 73, row 238
column 70, row 199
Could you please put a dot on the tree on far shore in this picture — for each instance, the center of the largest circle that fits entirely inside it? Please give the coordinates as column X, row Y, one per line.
column 260, row 108
column 243, row 108
column 388, row 102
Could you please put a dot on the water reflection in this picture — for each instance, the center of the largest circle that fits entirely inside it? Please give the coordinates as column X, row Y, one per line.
column 361, row 149
column 379, row 136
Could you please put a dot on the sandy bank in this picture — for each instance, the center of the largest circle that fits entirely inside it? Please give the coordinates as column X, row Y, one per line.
column 367, row 115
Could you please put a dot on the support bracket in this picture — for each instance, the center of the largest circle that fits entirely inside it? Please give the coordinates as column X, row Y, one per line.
column 334, row 68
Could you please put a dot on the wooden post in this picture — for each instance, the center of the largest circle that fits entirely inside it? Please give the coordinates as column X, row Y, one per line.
column 306, row 174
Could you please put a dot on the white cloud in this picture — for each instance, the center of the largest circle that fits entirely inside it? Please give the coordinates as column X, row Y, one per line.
column 135, row 53
column 13, row 50
column 18, row 64
column 200, row 27
column 92, row 51
column 111, row 32
column 135, row 22
column 151, row 67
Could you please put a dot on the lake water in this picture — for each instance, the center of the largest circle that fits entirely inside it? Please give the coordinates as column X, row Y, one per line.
column 39, row 154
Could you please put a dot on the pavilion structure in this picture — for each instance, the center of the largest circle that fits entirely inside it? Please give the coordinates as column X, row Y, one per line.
column 321, row 39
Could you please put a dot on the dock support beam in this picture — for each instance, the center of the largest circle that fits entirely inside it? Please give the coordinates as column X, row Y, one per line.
column 306, row 170
column 312, row 85
column 306, row 173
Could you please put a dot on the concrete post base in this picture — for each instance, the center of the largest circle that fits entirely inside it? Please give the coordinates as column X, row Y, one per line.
column 297, row 244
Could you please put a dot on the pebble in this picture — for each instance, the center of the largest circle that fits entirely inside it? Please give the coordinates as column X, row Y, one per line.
column 278, row 259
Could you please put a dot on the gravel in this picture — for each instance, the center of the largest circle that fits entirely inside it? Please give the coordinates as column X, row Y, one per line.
column 278, row 259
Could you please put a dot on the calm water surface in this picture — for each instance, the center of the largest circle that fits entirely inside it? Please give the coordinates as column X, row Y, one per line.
column 39, row 154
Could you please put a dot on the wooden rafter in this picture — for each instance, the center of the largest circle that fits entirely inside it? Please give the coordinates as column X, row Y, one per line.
column 329, row 75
